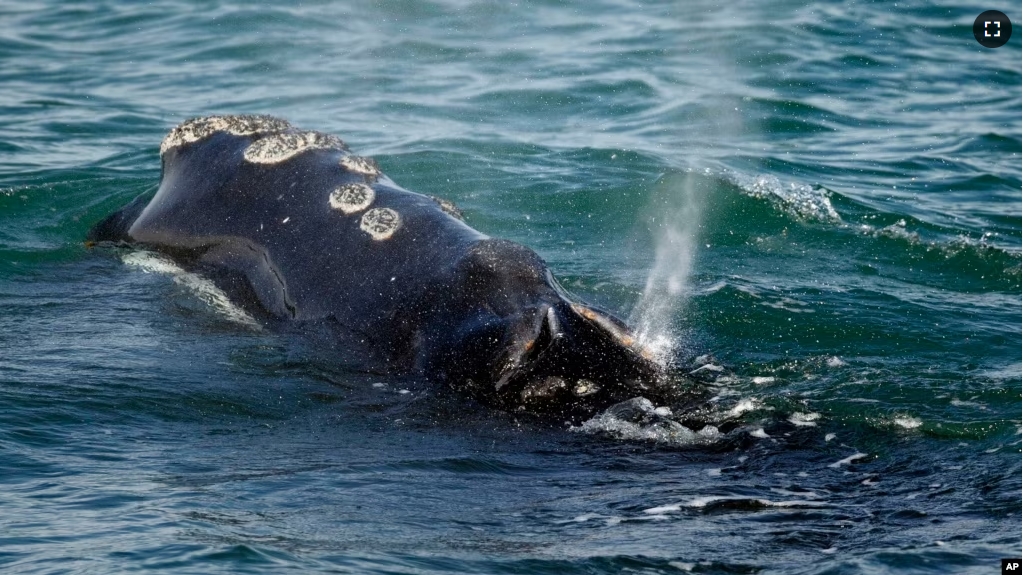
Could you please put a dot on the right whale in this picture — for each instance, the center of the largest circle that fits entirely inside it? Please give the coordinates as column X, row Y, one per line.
column 299, row 231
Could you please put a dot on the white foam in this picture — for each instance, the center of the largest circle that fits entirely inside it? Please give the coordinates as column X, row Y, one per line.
column 799, row 200
column 907, row 422
column 707, row 367
column 949, row 248
column 763, row 380
column 743, row 406
column 847, row 460
column 671, row 433
column 804, row 419
column 835, row 361
column 759, row 433
column 898, row 230
column 709, row 433
column 638, row 419
column 808, row 494
column 150, row 262
column 663, row 509
column 788, row 304
column 204, row 289
column 702, row 502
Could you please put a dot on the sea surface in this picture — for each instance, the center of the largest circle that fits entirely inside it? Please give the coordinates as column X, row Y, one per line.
column 812, row 207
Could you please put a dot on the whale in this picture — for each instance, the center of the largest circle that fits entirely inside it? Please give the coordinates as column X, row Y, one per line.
column 301, row 232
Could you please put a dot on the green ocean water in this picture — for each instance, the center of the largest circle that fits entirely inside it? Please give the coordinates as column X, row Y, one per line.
column 814, row 206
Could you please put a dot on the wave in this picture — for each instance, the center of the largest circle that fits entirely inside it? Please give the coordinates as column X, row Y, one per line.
column 755, row 216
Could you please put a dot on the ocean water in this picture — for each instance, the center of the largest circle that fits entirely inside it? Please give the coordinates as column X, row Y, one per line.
column 813, row 206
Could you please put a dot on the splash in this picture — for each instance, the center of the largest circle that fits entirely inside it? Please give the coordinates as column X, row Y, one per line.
column 673, row 217
column 638, row 420
column 801, row 201
column 204, row 289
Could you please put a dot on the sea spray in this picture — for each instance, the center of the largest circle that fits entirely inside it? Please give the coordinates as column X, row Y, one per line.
column 673, row 217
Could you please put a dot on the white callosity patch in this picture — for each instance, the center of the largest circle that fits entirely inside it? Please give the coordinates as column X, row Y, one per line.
column 276, row 148
column 196, row 129
column 352, row 198
column 206, row 290
column 448, row 207
column 585, row 387
column 360, row 165
column 380, row 223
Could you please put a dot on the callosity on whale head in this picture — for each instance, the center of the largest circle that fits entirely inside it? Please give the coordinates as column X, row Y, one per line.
column 295, row 228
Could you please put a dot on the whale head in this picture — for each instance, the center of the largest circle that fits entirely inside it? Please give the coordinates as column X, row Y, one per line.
column 524, row 345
